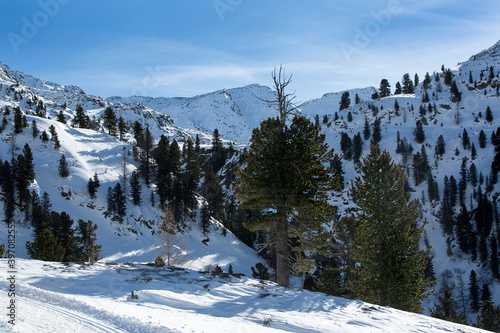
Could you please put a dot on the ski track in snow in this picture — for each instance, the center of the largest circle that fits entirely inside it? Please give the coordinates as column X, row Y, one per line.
column 36, row 305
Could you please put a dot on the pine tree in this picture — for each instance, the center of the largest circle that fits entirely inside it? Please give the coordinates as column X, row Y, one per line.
column 385, row 88
column 60, row 117
column 440, row 146
column 390, row 263
column 357, row 147
column 18, row 120
column 63, row 167
column 485, row 293
column 90, row 250
column 455, row 93
column 122, row 128
column 8, row 192
column 494, row 258
column 346, row 146
column 91, row 188
column 110, row 121
column 444, row 309
column 408, row 86
column 34, row 129
column 473, row 291
column 377, row 135
column 135, row 188
column 398, row 90
column 345, row 101
column 489, row 318
column 119, row 202
column 366, row 130
column 45, row 247
column 482, row 139
column 489, row 115
column 465, row 139
column 419, row 133
column 54, row 137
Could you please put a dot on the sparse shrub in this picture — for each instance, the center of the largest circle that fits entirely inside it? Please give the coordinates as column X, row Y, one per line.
column 260, row 271
column 159, row 261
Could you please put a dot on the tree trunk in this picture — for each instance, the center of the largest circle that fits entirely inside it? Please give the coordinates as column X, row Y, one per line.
column 282, row 253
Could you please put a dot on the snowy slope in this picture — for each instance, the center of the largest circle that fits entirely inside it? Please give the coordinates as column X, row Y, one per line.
column 58, row 298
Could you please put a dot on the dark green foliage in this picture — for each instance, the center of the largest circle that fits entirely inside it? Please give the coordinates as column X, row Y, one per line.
column 440, row 148
column 448, row 77
column 346, row 146
column 489, row 318
column 377, row 132
column 444, row 309
column 284, row 176
column 81, row 119
column 54, row 137
column 349, row 116
column 60, row 117
column 494, row 258
column 419, row 133
column 345, row 101
column 485, row 293
column 218, row 158
column 122, row 128
column 482, row 139
column 366, row 130
column 146, row 155
column 34, row 129
column 8, row 192
column 421, row 167
column 18, row 120
column 357, row 147
column 398, row 90
column 495, row 165
column 455, row 93
column 473, row 291
column 44, row 136
column 489, row 115
column 385, row 88
column 91, row 188
column 110, row 121
column 390, row 264
column 87, row 240
column 260, row 271
column 136, row 188
column 464, row 232
column 119, row 202
column 465, row 139
column 408, row 86
column 63, row 167
column 45, row 247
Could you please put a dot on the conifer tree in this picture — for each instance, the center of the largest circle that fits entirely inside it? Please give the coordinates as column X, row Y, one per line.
column 419, row 133
column 60, row 117
column 110, row 121
column 54, row 137
column 91, row 188
column 87, row 238
column 346, row 146
column 473, row 291
column 398, row 90
column 18, row 120
column 489, row 318
column 357, row 147
column 366, row 130
column 34, row 129
column 8, row 192
column 135, row 188
column 119, row 201
column 489, row 115
column 444, row 309
column 345, row 101
column 440, row 146
column 63, row 167
column 482, row 139
column 390, row 263
column 385, row 88
column 408, row 86
column 377, row 135
column 45, row 247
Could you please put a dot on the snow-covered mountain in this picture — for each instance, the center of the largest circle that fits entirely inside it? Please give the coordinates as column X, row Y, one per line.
column 234, row 112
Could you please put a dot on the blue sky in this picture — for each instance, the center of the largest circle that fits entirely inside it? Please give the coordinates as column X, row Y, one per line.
column 189, row 47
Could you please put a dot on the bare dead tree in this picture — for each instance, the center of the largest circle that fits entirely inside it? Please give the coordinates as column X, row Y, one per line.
column 170, row 244
column 283, row 101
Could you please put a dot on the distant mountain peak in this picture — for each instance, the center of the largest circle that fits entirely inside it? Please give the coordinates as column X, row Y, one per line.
column 492, row 52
